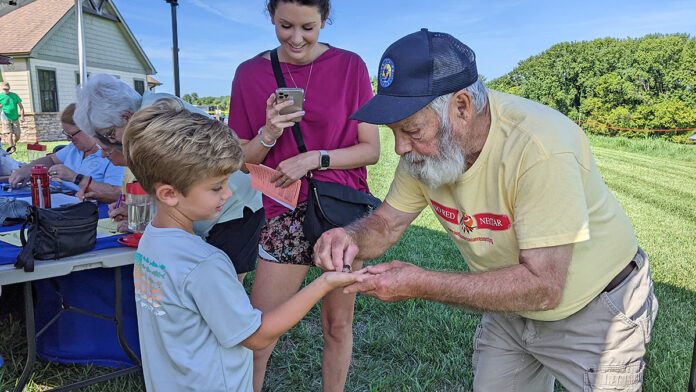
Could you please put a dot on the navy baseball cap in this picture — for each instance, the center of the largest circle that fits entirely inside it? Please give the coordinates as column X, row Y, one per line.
column 415, row 70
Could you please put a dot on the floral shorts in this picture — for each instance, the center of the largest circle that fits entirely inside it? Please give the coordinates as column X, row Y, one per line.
column 284, row 239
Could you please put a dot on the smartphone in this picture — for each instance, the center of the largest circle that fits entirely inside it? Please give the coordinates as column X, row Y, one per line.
column 296, row 94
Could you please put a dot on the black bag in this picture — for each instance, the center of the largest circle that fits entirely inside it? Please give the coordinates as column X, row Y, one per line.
column 329, row 205
column 57, row 232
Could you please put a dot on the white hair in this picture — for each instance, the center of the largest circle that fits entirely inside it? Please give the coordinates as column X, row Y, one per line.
column 446, row 165
column 101, row 101
column 450, row 160
column 477, row 91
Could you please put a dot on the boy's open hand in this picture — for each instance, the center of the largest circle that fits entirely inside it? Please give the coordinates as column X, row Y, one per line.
column 342, row 279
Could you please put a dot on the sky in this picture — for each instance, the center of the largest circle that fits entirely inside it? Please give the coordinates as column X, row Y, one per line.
column 215, row 36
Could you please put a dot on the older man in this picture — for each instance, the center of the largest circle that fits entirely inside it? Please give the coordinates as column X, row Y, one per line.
column 9, row 102
column 556, row 270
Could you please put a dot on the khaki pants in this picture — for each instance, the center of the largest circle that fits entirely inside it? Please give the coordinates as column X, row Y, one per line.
column 599, row 348
column 11, row 127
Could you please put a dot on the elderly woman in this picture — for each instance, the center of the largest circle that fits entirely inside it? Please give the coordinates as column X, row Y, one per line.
column 104, row 107
column 75, row 164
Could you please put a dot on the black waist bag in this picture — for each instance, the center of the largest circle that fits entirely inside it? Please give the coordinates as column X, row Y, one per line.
column 57, row 232
column 331, row 205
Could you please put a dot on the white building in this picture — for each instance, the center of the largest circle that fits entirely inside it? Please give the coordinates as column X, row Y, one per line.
column 40, row 37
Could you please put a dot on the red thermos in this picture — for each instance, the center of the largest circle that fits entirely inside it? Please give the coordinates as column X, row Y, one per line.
column 40, row 190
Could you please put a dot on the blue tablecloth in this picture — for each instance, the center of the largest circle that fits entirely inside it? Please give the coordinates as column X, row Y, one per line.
column 75, row 337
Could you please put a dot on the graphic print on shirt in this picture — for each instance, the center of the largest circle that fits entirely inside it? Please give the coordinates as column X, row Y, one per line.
column 147, row 279
column 466, row 223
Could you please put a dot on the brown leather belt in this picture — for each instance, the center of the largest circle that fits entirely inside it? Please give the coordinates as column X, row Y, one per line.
column 621, row 276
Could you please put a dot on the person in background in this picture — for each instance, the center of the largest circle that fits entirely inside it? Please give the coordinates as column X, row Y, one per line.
column 195, row 323
column 104, row 107
column 74, row 165
column 335, row 83
column 11, row 130
column 556, row 269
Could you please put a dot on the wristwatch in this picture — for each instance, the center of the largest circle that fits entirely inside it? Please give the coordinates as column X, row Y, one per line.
column 78, row 179
column 325, row 160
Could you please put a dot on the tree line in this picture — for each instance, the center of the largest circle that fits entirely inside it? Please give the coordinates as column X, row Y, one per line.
column 638, row 83
column 222, row 103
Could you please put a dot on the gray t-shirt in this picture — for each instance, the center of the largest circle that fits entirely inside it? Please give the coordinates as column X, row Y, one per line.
column 192, row 315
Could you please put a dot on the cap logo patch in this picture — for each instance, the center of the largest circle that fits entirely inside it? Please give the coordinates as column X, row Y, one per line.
column 386, row 72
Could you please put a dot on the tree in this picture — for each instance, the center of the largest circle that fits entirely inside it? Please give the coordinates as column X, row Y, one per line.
column 643, row 83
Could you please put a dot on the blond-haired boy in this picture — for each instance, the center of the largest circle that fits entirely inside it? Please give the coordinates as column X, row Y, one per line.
column 196, row 325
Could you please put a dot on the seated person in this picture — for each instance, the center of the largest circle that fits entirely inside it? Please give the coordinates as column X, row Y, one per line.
column 73, row 165
column 195, row 321
column 114, row 153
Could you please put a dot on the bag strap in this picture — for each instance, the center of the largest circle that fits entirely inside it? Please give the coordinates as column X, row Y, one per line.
column 25, row 258
column 296, row 132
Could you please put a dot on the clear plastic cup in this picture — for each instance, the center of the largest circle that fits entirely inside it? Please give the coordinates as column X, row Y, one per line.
column 141, row 207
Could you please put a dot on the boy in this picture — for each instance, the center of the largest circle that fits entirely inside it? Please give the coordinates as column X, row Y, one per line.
column 197, row 327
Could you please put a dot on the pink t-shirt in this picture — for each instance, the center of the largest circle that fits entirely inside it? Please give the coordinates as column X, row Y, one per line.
column 339, row 85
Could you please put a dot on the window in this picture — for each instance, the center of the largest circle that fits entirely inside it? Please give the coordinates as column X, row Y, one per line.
column 48, row 91
column 139, row 86
column 77, row 77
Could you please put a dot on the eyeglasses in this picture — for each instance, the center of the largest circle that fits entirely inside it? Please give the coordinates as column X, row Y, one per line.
column 109, row 134
column 71, row 136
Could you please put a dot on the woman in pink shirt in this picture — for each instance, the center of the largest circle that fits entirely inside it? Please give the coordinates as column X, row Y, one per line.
column 336, row 84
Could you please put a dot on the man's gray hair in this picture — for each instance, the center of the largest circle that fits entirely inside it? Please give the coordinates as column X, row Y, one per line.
column 479, row 97
column 101, row 101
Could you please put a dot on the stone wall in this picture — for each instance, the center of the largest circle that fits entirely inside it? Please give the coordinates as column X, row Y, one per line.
column 41, row 127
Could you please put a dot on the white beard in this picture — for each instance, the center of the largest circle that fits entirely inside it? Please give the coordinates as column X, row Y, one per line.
column 445, row 167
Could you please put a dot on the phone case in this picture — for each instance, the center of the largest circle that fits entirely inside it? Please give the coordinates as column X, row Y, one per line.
column 297, row 95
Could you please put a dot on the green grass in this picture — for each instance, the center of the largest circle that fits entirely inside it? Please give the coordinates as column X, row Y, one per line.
column 21, row 153
column 423, row 346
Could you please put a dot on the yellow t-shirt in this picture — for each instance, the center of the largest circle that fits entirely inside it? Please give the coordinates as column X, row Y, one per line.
column 535, row 184
column 128, row 176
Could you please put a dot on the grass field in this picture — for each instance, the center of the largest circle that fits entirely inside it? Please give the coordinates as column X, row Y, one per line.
column 423, row 346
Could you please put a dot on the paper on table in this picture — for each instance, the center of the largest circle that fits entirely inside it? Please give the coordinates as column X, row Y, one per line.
column 261, row 181
column 105, row 228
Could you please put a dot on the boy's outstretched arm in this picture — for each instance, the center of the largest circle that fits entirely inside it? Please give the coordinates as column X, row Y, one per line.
column 277, row 321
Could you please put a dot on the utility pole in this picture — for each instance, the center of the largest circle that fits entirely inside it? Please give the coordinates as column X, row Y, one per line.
column 175, row 47
column 80, row 42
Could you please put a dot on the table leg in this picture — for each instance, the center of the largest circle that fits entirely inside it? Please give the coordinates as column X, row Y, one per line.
column 31, row 338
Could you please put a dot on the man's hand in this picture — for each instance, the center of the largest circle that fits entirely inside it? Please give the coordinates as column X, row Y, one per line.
column 334, row 249
column 388, row 282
